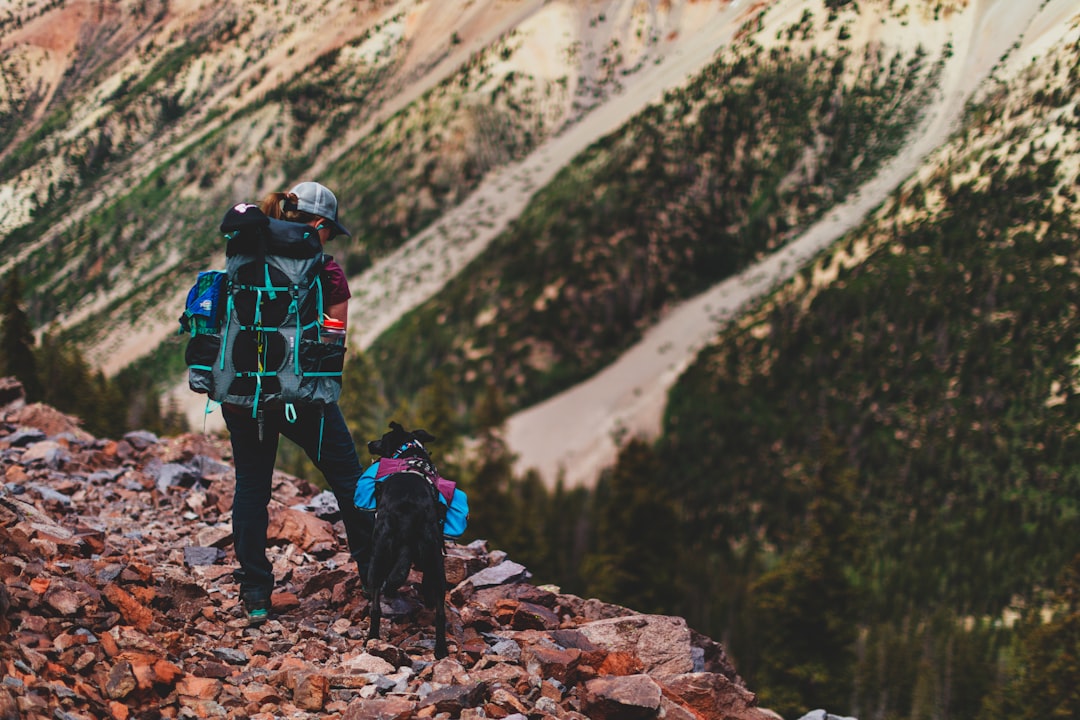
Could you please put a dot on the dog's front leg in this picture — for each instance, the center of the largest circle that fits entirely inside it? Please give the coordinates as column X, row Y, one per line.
column 434, row 586
column 375, row 606
column 440, row 630
column 375, row 613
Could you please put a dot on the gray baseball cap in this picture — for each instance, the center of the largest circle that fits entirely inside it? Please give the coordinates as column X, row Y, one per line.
column 316, row 198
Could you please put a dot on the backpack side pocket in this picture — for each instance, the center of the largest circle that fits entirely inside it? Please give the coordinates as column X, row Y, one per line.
column 322, row 364
column 200, row 355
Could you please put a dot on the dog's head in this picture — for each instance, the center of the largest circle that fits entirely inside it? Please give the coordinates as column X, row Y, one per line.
column 400, row 442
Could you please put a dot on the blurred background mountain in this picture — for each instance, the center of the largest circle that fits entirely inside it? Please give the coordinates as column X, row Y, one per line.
column 863, row 481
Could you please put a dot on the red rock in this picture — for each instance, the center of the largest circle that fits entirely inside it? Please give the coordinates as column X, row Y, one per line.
column 630, row 697
column 282, row 602
column 300, row 528
column 312, row 691
column 202, row 688
column 554, row 663
column 620, row 663
column 712, row 696
column 121, row 681
column 391, row 708
column 118, row 711
column 260, row 693
column 130, row 608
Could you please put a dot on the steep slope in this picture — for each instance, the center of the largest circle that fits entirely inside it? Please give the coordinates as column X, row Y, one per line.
column 209, row 103
column 898, row 425
column 576, row 433
column 535, row 312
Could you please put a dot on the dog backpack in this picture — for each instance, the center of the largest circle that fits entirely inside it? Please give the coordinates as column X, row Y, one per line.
column 256, row 326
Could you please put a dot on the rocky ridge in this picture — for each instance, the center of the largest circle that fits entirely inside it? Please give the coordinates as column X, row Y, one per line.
column 117, row 601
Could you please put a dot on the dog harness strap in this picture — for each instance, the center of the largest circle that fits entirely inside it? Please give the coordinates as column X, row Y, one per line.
column 290, row 412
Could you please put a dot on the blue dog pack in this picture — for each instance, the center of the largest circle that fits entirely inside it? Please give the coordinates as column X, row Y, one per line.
column 452, row 497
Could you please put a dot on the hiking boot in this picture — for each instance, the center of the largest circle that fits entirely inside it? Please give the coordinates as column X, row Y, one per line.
column 257, row 612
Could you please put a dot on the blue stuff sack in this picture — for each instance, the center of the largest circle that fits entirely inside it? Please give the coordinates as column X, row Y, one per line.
column 203, row 310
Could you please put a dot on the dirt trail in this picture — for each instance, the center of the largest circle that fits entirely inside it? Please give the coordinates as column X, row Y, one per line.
column 575, row 433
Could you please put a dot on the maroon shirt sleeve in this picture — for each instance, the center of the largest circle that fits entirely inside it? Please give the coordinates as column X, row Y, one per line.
column 335, row 284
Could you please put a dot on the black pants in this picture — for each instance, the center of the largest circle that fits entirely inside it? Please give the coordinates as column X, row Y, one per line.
column 254, row 462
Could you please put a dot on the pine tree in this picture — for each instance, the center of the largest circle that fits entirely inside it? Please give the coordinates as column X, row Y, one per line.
column 436, row 412
column 491, row 505
column 1044, row 674
column 565, row 538
column 637, row 535
column 17, row 341
column 363, row 402
column 802, row 609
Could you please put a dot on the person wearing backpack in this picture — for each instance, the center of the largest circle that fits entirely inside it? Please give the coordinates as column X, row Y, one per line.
column 308, row 211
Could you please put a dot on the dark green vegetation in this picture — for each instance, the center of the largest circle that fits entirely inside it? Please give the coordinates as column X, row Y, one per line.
column 868, row 490
column 861, row 486
column 689, row 192
column 161, row 229
column 929, row 393
column 55, row 372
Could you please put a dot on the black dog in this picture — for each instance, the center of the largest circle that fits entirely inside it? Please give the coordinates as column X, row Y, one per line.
column 408, row 528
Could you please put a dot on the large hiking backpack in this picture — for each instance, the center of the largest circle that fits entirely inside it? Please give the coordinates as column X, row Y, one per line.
column 255, row 327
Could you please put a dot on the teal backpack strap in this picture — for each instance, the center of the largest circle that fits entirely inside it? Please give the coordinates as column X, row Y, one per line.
column 269, row 285
column 255, row 402
column 322, row 424
column 290, row 412
column 211, row 405
column 294, row 308
column 225, row 330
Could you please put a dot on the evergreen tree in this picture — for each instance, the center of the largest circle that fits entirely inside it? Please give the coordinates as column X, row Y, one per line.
column 565, row 538
column 637, row 536
column 491, row 506
column 436, row 412
column 803, row 611
column 523, row 536
column 107, row 408
column 363, row 400
column 1044, row 674
column 17, row 340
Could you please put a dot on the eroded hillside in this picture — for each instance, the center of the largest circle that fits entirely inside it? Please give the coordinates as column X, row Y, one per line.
column 127, row 145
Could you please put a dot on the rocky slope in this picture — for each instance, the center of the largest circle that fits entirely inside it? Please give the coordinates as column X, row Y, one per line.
column 117, row 601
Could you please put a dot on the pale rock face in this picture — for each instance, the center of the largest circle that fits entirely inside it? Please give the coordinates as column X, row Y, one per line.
column 661, row 642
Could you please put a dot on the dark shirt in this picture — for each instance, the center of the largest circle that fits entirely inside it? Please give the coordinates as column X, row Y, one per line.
column 335, row 284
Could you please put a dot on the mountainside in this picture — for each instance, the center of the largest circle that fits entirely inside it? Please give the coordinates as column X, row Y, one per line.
column 129, row 127
column 131, row 145
column 888, row 441
column 820, row 254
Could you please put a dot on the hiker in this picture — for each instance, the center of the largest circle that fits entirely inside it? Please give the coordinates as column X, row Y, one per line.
column 319, row 429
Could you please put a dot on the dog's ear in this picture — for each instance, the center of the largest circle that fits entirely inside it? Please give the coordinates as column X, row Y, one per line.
column 423, row 436
column 394, row 425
